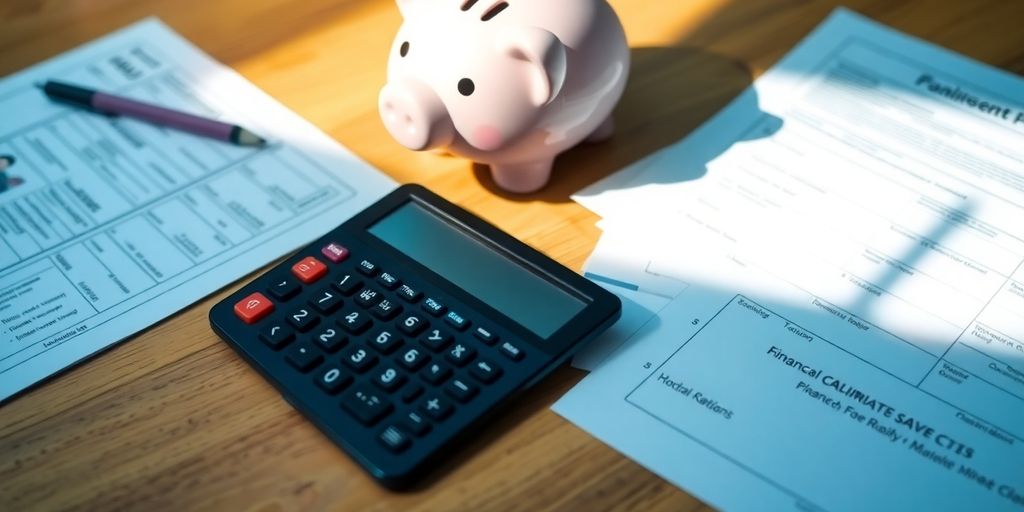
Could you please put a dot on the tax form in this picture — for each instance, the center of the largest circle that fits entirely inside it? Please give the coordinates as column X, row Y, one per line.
column 841, row 322
column 108, row 225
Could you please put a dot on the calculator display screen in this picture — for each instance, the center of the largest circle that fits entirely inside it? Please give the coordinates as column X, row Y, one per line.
column 469, row 263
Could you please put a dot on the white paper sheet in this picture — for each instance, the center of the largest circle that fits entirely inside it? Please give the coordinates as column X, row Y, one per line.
column 851, row 331
column 110, row 225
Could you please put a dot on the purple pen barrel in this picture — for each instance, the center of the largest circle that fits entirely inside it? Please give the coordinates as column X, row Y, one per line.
column 158, row 115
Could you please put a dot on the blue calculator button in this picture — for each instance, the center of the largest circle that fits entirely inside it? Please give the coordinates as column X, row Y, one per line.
column 368, row 268
column 436, row 407
column 434, row 307
column 456, row 320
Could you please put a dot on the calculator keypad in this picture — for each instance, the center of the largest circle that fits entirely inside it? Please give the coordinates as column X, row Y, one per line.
column 356, row 332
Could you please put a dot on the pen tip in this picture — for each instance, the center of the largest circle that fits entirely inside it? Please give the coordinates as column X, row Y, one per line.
column 247, row 138
column 41, row 85
column 6, row 161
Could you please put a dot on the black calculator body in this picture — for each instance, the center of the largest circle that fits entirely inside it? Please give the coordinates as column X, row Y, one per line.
column 402, row 329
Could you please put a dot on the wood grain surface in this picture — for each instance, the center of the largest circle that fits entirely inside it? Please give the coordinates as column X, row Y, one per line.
column 172, row 419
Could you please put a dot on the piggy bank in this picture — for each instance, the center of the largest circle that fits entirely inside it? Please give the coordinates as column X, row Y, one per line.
column 511, row 84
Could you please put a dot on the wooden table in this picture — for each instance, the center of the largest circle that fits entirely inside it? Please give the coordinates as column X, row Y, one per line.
column 173, row 419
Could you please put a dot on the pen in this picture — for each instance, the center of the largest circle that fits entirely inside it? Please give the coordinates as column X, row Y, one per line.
column 110, row 104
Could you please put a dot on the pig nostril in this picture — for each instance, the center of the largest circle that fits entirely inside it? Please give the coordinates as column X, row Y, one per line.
column 408, row 119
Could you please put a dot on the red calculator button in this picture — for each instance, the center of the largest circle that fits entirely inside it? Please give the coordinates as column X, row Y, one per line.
column 335, row 252
column 309, row 270
column 254, row 308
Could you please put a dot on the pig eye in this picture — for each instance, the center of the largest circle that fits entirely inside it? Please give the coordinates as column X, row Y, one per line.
column 466, row 87
column 404, row 49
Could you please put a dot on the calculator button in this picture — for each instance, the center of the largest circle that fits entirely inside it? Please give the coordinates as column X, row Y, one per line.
column 326, row 301
column 461, row 390
column 277, row 336
column 368, row 298
column 409, row 294
column 436, row 340
column 347, row 284
column 368, row 405
column 303, row 319
column 303, row 357
column 358, row 358
column 330, row 339
column 394, row 439
column 389, row 379
column 413, row 358
column 388, row 281
column 309, row 270
column 334, row 252
column 460, row 354
column 414, row 424
column 254, row 308
column 485, row 336
column 386, row 310
column 385, row 342
column 435, row 373
column 333, row 379
column 511, row 351
column 412, row 325
column 355, row 322
column 411, row 392
column 434, row 307
column 368, row 268
column 285, row 288
column 436, row 407
column 456, row 320
column 485, row 371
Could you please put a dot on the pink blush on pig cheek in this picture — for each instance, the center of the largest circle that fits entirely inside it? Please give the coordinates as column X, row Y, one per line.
column 486, row 137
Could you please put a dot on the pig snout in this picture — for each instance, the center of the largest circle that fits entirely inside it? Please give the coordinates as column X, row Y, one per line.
column 415, row 115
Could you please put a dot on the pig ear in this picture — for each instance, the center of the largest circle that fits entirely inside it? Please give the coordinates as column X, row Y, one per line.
column 545, row 53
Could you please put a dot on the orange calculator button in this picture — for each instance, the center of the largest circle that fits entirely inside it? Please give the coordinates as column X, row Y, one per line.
column 254, row 308
column 309, row 270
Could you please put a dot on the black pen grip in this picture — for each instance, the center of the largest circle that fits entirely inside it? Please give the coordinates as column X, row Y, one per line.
column 69, row 93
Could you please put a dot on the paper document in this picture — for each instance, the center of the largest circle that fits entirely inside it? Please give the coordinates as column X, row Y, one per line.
column 108, row 225
column 847, row 326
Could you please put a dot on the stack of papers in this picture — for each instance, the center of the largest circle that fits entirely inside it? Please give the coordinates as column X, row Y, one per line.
column 823, row 287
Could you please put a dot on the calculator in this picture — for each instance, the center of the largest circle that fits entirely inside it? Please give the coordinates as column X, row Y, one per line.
column 405, row 328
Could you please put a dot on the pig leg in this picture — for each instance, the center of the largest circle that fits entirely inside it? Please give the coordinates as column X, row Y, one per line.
column 603, row 132
column 523, row 178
